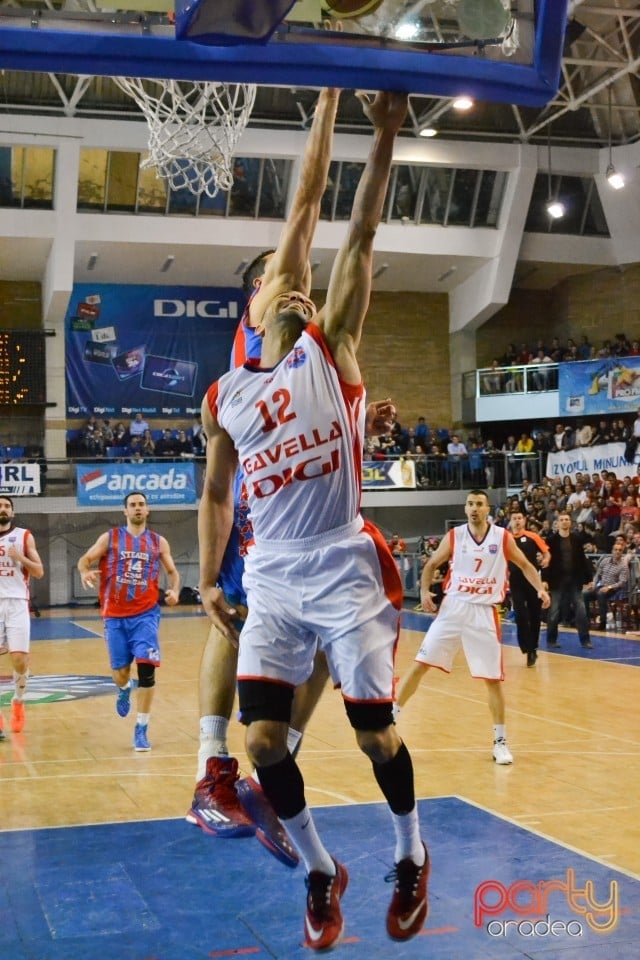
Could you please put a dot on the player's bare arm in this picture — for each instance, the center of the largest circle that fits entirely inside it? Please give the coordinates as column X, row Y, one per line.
column 30, row 559
column 515, row 555
column 441, row 555
column 343, row 314
column 288, row 269
column 172, row 594
column 88, row 576
column 215, row 520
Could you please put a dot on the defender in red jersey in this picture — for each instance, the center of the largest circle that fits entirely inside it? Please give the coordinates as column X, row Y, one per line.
column 129, row 559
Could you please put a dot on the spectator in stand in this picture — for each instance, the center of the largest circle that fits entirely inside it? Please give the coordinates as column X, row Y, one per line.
column 585, row 514
column 511, row 464
column 120, row 435
column 584, row 434
column 525, row 450
column 585, row 349
column 493, row 378
column 524, row 355
column 421, row 433
column 577, row 496
column 457, row 454
column 147, row 445
column 620, row 432
column 571, row 351
column 397, row 546
column 636, row 425
column 138, row 426
column 167, row 445
column 559, row 439
column 435, row 465
column 476, row 463
column 185, row 447
column 540, row 375
column 135, row 446
column 629, row 512
column 603, row 434
column 604, row 351
column 635, row 348
column 621, row 346
column 422, row 473
column 107, row 433
column 610, row 581
column 492, row 461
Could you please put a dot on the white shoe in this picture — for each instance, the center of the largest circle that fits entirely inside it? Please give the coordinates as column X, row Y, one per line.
column 501, row 752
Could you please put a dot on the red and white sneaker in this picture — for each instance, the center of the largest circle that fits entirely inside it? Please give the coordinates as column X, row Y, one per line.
column 17, row 715
column 216, row 807
column 269, row 831
column 409, row 905
column 323, row 923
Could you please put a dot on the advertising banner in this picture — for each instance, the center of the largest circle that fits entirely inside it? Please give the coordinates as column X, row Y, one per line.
column 20, row 479
column 106, row 484
column 388, row 474
column 606, row 456
column 147, row 349
column 607, row 386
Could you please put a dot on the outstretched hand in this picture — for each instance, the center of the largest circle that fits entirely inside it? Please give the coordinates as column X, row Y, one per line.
column 387, row 110
column 379, row 418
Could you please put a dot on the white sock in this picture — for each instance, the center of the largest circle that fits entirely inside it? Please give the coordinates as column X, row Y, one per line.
column 213, row 742
column 302, row 831
column 143, row 719
column 408, row 842
column 127, row 686
column 499, row 732
column 20, row 685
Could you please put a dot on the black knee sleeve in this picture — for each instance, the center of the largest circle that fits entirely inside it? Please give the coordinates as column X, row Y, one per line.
column 264, row 700
column 283, row 786
column 146, row 675
column 395, row 779
column 369, row 716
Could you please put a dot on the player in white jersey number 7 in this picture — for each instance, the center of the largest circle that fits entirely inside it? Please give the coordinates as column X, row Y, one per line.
column 477, row 553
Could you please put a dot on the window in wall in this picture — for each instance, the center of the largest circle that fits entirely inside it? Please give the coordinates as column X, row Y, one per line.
column 246, row 187
column 403, row 192
column 92, row 179
column 152, row 192
column 584, row 215
column 435, row 191
column 26, row 177
column 122, row 181
column 274, row 188
column 464, row 196
column 490, row 196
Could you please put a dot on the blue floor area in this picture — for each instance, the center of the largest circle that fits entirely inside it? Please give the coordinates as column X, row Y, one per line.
column 612, row 647
column 165, row 891
column 63, row 628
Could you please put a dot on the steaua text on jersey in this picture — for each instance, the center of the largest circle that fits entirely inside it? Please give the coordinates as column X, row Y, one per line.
column 298, row 430
column 478, row 571
column 129, row 573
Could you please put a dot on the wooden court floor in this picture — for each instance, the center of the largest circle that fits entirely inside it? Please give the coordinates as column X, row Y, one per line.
column 572, row 726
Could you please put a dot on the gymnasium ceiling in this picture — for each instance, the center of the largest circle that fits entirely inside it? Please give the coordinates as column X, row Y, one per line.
column 601, row 60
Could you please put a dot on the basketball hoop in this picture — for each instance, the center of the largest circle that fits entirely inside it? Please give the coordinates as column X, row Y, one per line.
column 194, row 128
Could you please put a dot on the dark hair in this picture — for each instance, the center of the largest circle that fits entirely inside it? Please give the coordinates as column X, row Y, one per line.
column 3, row 496
column 135, row 493
column 255, row 269
column 479, row 493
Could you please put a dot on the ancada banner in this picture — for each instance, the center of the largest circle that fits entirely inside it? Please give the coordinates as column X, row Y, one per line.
column 606, row 456
column 107, row 484
column 147, row 349
column 388, row 474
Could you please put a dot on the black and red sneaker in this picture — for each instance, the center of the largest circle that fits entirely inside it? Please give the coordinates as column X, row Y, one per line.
column 216, row 807
column 323, row 923
column 409, row 905
column 269, row 831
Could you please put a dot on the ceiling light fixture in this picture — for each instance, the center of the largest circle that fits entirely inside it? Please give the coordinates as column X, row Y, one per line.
column 91, row 262
column 615, row 179
column 381, row 269
column 427, row 131
column 462, row 103
column 168, row 263
column 555, row 208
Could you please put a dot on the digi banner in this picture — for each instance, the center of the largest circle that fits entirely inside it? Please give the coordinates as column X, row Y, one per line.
column 606, row 456
column 106, row 484
column 610, row 385
column 388, row 475
column 146, row 349
column 20, row 479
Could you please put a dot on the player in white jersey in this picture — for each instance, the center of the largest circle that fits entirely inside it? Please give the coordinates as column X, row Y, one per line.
column 294, row 421
column 19, row 560
column 476, row 581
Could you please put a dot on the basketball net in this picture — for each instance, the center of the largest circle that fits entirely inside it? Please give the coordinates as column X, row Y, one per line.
column 194, row 128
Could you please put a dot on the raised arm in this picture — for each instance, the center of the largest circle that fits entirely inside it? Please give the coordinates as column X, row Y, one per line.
column 215, row 519
column 288, row 269
column 349, row 288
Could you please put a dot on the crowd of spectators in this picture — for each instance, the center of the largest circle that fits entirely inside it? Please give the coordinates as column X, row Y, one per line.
column 137, row 441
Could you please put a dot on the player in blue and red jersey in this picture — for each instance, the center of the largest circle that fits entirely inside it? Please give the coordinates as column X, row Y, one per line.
column 129, row 559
